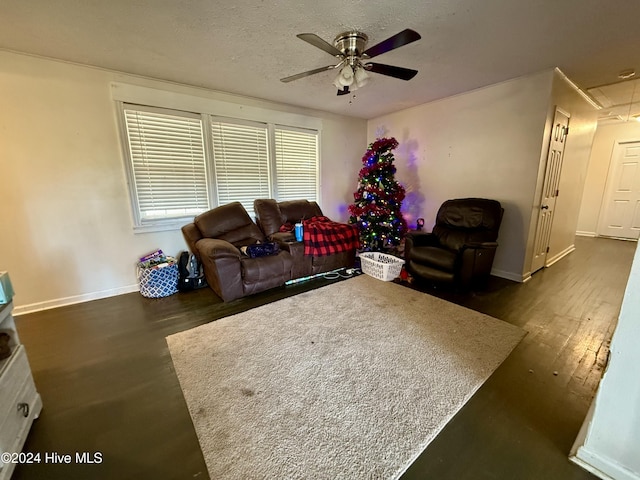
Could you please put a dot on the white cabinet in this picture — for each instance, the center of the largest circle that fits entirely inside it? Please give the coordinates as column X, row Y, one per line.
column 20, row 403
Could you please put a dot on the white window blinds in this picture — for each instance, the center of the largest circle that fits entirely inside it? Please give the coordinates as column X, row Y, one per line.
column 241, row 161
column 182, row 163
column 168, row 163
column 296, row 164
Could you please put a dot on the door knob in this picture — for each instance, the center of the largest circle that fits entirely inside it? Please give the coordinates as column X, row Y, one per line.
column 24, row 409
column 545, row 207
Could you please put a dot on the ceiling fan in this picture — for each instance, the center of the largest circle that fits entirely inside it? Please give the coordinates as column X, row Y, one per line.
column 353, row 58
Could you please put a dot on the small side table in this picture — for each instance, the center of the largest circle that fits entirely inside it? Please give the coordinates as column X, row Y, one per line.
column 20, row 403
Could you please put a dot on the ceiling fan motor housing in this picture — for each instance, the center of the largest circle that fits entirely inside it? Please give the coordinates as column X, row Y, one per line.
column 351, row 44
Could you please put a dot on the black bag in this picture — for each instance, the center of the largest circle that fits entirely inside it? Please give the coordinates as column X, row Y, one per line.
column 258, row 250
column 190, row 275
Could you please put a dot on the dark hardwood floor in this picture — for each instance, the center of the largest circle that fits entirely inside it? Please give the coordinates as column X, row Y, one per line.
column 108, row 385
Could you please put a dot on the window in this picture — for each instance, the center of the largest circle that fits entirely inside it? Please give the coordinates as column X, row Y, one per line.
column 168, row 175
column 241, row 162
column 296, row 164
column 181, row 164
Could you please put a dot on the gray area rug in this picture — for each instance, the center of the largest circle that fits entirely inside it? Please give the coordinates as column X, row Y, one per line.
column 350, row 381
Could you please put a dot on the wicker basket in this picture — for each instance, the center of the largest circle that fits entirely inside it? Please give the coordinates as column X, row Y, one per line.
column 381, row 265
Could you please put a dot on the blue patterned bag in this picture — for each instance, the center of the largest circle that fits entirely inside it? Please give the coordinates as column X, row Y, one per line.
column 158, row 281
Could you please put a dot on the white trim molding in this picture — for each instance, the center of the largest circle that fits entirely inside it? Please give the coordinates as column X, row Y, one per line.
column 581, row 233
column 136, row 94
column 601, row 466
column 560, row 255
column 61, row 302
column 510, row 275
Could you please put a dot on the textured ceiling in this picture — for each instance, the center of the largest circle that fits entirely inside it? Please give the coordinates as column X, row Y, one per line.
column 245, row 47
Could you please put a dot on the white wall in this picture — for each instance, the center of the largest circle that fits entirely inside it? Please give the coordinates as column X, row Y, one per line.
column 596, row 180
column 493, row 143
column 484, row 143
column 610, row 448
column 66, row 220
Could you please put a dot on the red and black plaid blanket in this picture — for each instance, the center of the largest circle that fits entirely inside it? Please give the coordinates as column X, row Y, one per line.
column 322, row 237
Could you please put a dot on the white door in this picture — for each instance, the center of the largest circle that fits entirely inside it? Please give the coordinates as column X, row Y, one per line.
column 550, row 189
column 620, row 216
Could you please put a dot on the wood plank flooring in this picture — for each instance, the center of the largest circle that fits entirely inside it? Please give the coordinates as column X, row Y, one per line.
column 108, row 385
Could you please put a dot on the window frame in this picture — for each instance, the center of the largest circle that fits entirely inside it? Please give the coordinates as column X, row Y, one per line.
column 169, row 222
column 125, row 96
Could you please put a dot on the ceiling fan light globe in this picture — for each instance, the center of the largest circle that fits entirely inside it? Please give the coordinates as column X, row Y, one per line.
column 361, row 77
column 346, row 76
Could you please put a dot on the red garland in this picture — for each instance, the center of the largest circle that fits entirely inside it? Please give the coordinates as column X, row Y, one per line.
column 381, row 145
column 366, row 210
column 369, row 169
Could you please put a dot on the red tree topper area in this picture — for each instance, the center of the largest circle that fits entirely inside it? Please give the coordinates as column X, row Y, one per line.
column 376, row 210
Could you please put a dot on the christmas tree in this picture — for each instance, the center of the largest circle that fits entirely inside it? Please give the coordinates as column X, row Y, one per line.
column 376, row 210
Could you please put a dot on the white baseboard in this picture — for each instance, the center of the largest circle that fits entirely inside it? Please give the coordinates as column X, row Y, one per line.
column 601, row 466
column 560, row 256
column 60, row 302
column 582, row 433
column 581, row 233
column 509, row 275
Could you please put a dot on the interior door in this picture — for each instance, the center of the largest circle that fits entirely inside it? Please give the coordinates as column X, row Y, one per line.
column 621, row 202
column 550, row 189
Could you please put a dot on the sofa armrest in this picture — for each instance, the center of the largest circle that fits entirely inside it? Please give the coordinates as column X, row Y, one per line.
column 192, row 234
column 477, row 260
column 222, row 267
column 302, row 265
column 282, row 238
column 421, row 239
column 418, row 239
column 477, row 245
column 214, row 247
column 296, row 249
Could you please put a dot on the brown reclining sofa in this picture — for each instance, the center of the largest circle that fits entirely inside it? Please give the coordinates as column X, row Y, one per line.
column 215, row 237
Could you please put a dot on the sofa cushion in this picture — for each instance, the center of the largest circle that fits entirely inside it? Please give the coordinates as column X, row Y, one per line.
column 271, row 215
column 268, row 216
column 229, row 222
column 266, row 271
column 294, row 211
column 450, row 238
column 472, row 213
column 431, row 273
column 467, row 220
column 439, row 258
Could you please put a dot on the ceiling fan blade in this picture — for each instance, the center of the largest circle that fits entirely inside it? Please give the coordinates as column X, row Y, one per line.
column 391, row 71
column 306, row 74
column 316, row 41
column 398, row 40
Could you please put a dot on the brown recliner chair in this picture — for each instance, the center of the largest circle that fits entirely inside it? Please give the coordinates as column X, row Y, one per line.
column 271, row 215
column 461, row 248
column 215, row 238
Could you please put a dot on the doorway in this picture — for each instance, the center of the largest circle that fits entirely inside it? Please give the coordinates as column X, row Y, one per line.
column 620, row 212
